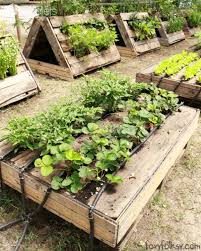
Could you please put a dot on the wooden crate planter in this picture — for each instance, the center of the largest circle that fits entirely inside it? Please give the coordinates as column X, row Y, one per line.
column 132, row 47
column 167, row 39
column 120, row 205
column 190, row 31
column 48, row 52
column 20, row 86
column 186, row 89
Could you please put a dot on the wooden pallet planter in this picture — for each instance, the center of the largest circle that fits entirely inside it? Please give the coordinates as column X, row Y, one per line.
column 167, row 39
column 48, row 52
column 119, row 206
column 190, row 31
column 186, row 89
column 20, row 86
column 132, row 47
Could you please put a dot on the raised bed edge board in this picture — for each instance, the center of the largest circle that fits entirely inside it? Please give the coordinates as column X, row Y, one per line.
column 167, row 39
column 185, row 89
column 132, row 47
column 58, row 42
column 20, row 86
column 161, row 151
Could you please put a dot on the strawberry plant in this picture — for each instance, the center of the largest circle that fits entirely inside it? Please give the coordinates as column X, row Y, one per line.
column 144, row 28
column 99, row 151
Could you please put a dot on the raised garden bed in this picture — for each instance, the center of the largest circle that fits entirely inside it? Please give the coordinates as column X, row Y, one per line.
column 18, row 82
column 187, row 87
column 119, row 205
column 166, row 38
column 120, row 139
column 190, row 31
column 48, row 50
column 132, row 46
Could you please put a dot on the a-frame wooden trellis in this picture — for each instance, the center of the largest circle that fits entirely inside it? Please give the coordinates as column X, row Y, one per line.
column 20, row 86
column 167, row 39
column 48, row 51
column 132, row 47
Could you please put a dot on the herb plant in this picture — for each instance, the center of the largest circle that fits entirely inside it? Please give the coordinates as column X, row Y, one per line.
column 175, row 24
column 144, row 28
column 194, row 18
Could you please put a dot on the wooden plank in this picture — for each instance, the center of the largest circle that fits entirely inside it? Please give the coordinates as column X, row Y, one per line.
column 33, row 32
column 139, row 15
column 61, row 204
column 5, row 148
column 144, row 163
column 53, row 41
column 147, row 45
column 50, row 69
column 185, row 128
column 14, row 86
column 74, row 19
column 103, row 58
column 126, row 52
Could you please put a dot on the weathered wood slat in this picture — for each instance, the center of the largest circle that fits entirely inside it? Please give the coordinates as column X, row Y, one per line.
column 74, row 19
column 5, row 148
column 53, row 70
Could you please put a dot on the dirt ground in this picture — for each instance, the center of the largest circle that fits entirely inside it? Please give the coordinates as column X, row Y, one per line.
column 173, row 215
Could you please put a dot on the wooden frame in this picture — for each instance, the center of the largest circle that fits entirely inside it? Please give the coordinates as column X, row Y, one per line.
column 119, row 206
column 20, row 86
column 171, row 38
column 186, row 89
column 68, row 65
column 190, row 31
column 132, row 48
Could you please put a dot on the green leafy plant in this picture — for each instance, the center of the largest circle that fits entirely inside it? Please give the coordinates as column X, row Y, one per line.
column 198, row 36
column 192, row 70
column 175, row 63
column 91, row 36
column 144, row 28
column 9, row 50
column 194, row 18
column 175, row 24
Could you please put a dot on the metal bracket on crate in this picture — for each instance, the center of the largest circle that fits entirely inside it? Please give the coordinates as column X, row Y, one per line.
column 26, row 217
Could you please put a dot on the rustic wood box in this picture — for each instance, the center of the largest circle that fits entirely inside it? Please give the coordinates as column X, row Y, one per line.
column 189, row 90
column 120, row 205
column 171, row 38
column 20, row 86
column 48, row 52
column 132, row 47
column 190, row 31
